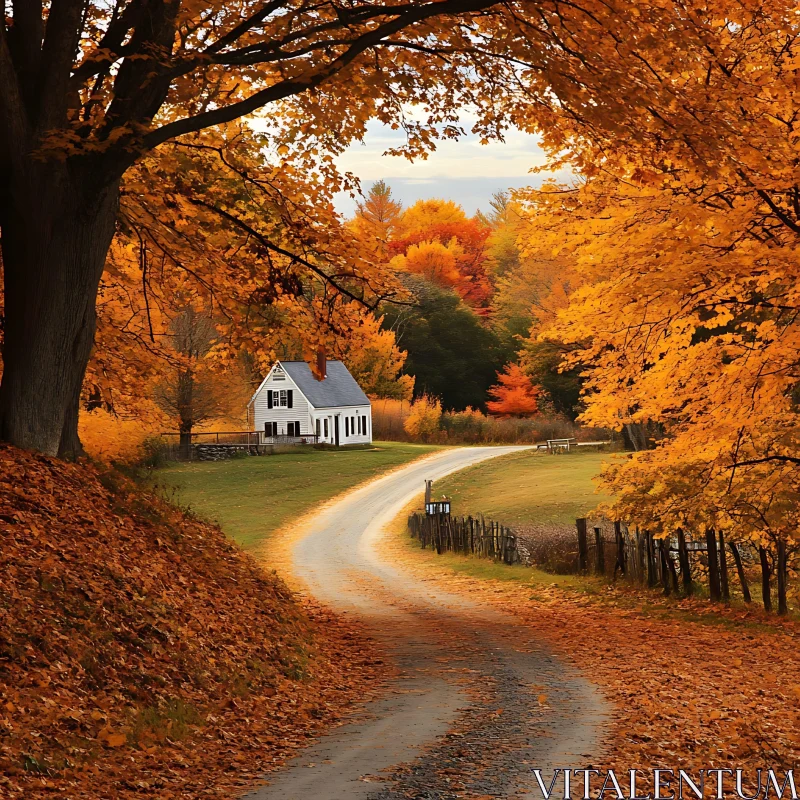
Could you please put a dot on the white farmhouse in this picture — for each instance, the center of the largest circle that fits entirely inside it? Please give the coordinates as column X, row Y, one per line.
column 292, row 402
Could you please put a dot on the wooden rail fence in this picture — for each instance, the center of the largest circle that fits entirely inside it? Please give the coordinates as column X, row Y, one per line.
column 676, row 564
column 468, row 535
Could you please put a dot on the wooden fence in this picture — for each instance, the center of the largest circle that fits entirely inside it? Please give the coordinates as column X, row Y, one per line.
column 468, row 535
column 676, row 564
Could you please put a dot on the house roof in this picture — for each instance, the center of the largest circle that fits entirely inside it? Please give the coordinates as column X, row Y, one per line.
column 338, row 389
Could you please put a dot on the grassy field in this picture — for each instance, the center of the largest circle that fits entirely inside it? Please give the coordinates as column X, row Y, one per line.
column 527, row 487
column 252, row 497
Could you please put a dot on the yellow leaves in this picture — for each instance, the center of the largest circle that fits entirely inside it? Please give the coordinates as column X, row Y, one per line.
column 676, row 321
column 432, row 260
column 427, row 213
column 423, row 421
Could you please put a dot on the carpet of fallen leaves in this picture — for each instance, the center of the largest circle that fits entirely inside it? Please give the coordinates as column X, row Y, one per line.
column 141, row 653
column 692, row 687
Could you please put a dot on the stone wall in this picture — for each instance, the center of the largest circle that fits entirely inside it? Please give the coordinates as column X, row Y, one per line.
column 223, row 452
column 220, row 452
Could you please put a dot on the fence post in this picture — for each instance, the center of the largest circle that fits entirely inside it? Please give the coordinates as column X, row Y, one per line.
column 673, row 574
column 620, row 563
column 643, row 551
column 723, row 569
column 781, row 566
column 737, row 559
column 600, row 552
column 651, row 559
column 663, row 552
column 583, row 547
column 766, row 595
column 713, row 566
column 683, row 559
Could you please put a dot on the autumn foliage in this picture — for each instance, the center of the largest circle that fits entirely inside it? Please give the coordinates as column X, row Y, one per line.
column 435, row 239
column 146, row 653
column 514, row 395
column 681, row 237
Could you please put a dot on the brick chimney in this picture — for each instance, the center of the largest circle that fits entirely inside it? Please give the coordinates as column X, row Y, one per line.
column 322, row 364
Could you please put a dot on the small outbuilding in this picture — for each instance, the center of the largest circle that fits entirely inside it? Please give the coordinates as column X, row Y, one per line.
column 292, row 405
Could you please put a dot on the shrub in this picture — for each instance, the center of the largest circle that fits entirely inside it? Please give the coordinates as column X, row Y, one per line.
column 156, row 452
column 422, row 423
column 472, row 426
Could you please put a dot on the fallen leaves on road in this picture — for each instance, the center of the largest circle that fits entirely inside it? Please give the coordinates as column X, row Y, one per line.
column 692, row 687
column 142, row 653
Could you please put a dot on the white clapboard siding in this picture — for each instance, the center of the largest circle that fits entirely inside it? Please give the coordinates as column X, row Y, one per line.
column 300, row 411
column 353, row 412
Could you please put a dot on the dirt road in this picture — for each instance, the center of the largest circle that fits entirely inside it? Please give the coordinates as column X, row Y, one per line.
column 476, row 705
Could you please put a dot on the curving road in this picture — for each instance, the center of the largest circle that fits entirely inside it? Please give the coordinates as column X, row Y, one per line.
column 477, row 703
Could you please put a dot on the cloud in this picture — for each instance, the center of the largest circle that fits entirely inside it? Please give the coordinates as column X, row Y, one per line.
column 463, row 170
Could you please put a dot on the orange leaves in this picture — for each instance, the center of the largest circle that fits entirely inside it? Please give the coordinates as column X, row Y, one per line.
column 212, row 224
column 110, row 739
column 435, row 239
column 514, row 395
column 665, row 705
column 684, row 328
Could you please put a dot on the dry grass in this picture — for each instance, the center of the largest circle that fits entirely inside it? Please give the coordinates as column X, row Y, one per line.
column 475, row 427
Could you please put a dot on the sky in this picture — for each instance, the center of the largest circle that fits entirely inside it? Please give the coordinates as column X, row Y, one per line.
column 465, row 170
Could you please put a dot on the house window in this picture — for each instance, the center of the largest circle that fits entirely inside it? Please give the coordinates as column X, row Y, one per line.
column 281, row 398
column 326, row 427
column 270, row 429
column 292, row 428
column 316, row 428
column 347, row 426
column 362, row 426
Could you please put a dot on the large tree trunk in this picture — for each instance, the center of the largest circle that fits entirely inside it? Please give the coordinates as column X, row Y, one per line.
column 57, row 226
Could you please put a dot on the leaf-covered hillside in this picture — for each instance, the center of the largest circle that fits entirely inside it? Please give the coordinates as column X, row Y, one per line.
column 140, row 651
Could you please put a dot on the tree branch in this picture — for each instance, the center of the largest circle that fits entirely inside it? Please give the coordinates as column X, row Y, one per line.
column 766, row 459
column 61, row 39
column 312, row 79
column 778, row 211
column 280, row 250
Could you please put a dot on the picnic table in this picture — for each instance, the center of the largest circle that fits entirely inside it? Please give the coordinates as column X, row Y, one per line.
column 560, row 445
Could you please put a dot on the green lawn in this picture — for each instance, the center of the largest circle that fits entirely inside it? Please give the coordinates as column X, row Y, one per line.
column 527, row 487
column 251, row 497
